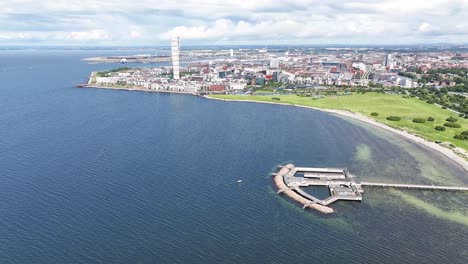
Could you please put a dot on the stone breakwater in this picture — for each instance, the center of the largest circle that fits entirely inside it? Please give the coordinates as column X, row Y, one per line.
column 283, row 188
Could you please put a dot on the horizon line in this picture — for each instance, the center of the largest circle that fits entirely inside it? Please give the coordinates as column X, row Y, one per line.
column 225, row 45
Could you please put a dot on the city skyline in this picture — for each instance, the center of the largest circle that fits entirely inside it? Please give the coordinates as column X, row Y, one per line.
column 296, row 22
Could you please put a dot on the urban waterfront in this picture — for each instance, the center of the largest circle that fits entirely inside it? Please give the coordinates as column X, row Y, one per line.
column 105, row 176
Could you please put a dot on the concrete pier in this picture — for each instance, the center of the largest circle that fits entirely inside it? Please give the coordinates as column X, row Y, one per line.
column 414, row 186
column 341, row 184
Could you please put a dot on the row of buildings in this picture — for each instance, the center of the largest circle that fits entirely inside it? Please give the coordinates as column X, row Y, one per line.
column 236, row 71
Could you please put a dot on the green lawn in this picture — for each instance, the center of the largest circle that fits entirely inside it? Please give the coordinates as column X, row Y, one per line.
column 384, row 104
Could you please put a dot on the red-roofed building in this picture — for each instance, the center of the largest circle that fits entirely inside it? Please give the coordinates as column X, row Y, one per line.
column 217, row 88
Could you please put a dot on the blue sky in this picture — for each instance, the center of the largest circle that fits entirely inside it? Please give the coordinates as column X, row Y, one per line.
column 264, row 22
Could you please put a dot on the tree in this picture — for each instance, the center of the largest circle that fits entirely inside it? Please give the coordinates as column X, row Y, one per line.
column 419, row 120
column 453, row 125
column 451, row 119
column 394, row 118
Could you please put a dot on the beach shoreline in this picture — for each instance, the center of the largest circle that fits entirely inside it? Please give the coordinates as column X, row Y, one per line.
column 449, row 153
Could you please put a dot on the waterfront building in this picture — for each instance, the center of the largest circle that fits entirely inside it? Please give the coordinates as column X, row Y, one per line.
column 175, row 52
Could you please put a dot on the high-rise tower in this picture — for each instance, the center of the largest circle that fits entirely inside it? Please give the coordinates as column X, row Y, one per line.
column 388, row 60
column 274, row 63
column 175, row 52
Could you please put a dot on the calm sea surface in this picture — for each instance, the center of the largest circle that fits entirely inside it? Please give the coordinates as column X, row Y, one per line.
column 102, row 176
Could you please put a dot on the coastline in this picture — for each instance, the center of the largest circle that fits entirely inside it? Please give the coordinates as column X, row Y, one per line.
column 135, row 58
column 135, row 89
column 356, row 116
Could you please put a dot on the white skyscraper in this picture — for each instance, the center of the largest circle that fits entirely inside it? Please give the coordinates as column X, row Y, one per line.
column 274, row 63
column 175, row 51
column 232, row 53
column 388, row 60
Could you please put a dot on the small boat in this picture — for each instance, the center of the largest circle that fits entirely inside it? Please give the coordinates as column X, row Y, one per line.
column 239, row 181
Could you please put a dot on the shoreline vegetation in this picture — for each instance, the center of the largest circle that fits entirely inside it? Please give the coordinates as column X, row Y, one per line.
column 458, row 155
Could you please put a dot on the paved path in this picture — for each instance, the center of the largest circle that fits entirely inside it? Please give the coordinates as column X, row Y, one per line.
column 414, row 186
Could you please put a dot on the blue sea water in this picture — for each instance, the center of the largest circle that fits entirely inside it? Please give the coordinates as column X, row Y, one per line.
column 105, row 176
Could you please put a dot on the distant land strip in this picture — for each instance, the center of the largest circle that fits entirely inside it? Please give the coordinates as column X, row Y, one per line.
column 132, row 58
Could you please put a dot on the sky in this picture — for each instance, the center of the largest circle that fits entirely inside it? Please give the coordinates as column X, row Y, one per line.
column 228, row 22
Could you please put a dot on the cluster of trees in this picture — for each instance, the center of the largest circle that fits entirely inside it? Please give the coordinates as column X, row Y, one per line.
column 394, row 118
column 442, row 97
column 411, row 75
column 453, row 125
column 452, row 122
column 107, row 73
column 451, row 119
column 419, row 120
column 458, row 75
column 415, row 120
column 455, row 71
column 462, row 136
column 375, row 85
column 269, row 86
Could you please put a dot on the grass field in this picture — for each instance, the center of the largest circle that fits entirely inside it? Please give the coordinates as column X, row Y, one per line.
column 384, row 104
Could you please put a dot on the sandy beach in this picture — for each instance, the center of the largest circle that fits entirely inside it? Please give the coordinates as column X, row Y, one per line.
column 449, row 153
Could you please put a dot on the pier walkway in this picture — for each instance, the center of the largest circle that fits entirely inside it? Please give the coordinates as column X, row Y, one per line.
column 340, row 183
column 414, row 186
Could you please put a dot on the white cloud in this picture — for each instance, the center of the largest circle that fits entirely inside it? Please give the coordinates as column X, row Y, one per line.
column 91, row 35
column 289, row 29
column 14, row 36
column 426, row 28
column 233, row 21
column 135, row 34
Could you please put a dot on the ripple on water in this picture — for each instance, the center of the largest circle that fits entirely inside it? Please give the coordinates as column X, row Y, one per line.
column 96, row 176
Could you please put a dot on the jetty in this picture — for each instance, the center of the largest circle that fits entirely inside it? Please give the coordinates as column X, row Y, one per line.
column 415, row 186
column 342, row 186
